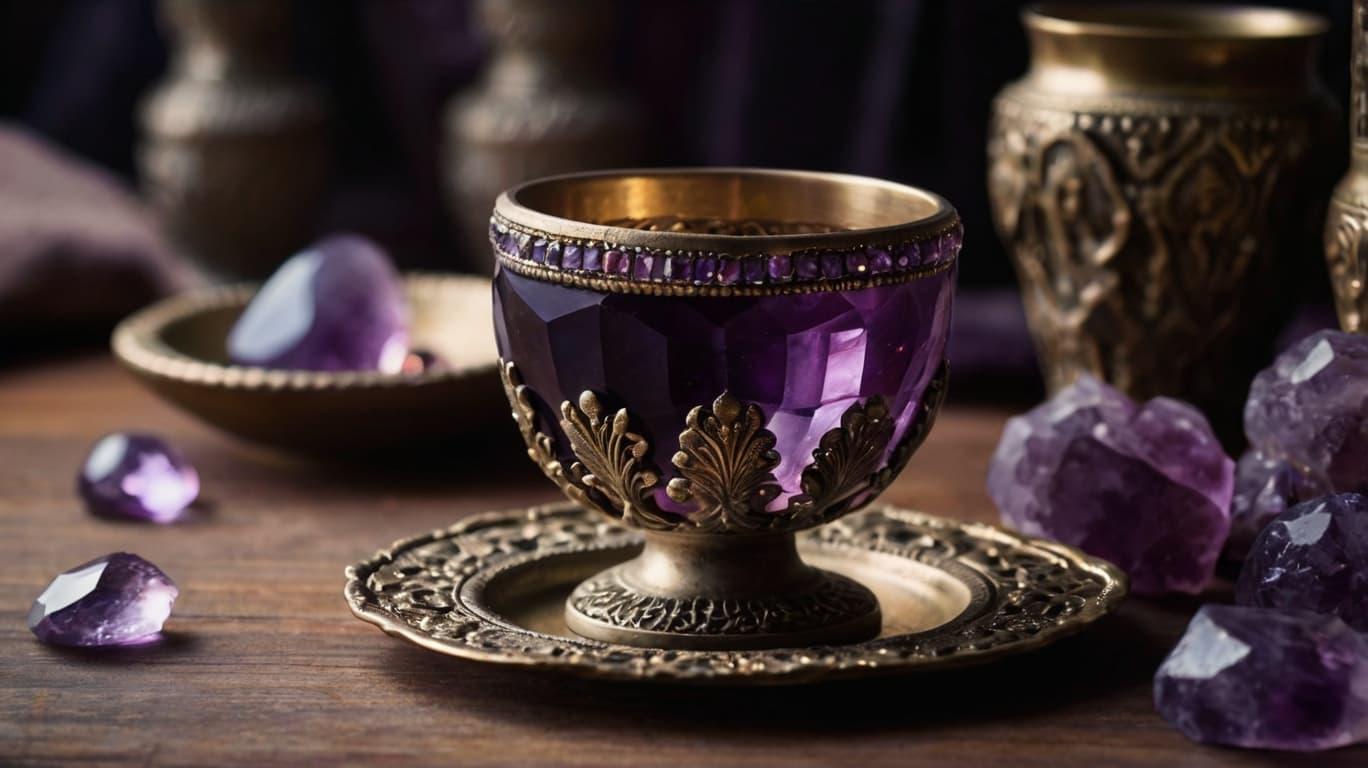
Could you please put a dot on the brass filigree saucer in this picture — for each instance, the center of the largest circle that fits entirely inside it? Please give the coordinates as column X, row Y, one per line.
column 493, row 588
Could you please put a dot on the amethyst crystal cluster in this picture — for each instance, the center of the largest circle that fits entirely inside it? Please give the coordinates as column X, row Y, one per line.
column 1307, row 424
column 1147, row 486
column 336, row 306
column 803, row 358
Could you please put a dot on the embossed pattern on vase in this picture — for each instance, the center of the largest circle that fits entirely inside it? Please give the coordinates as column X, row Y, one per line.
column 1346, row 249
column 1151, row 227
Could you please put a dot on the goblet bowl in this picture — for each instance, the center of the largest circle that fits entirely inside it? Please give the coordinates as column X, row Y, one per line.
column 722, row 357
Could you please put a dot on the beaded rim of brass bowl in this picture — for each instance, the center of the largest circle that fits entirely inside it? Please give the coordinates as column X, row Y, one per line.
column 486, row 589
column 748, row 231
column 138, row 343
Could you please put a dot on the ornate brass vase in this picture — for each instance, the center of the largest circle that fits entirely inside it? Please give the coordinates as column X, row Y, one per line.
column 546, row 105
column 721, row 358
column 1150, row 176
column 234, row 154
column 1346, row 248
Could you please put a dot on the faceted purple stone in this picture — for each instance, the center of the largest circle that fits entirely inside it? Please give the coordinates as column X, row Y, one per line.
column 879, row 261
column 833, row 266
column 728, row 271
column 857, row 263
column 1146, row 487
column 642, row 267
column 1264, row 489
column 679, row 268
column 553, row 254
column 1311, row 408
column 616, row 262
column 780, row 268
column 804, row 359
column 1255, row 677
column 753, row 270
column 572, row 257
column 1314, row 557
column 337, row 306
column 705, row 269
column 119, row 599
column 909, row 256
column 137, row 476
column 808, row 266
column 524, row 245
column 538, row 254
column 593, row 258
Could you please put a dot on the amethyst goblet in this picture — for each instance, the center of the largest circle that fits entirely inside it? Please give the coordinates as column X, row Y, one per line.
column 720, row 358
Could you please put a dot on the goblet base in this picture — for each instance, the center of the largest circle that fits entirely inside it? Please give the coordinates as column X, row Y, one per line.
column 730, row 592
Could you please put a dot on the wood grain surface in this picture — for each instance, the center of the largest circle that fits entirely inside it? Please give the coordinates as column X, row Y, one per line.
column 264, row 665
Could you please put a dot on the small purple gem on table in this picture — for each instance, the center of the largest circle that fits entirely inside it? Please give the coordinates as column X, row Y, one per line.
column 1312, row 557
column 1147, row 487
column 337, row 306
column 119, row 599
column 1256, row 677
column 138, row 477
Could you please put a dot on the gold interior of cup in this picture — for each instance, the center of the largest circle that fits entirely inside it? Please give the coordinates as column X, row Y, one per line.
column 723, row 209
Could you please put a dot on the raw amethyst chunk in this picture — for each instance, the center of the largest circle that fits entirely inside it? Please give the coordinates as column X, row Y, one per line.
column 337, row 306
column 119, row 599
column 1311, row 408
column 137, row 476
column 1314, row 557
column 1264, row 488
column 1256, row 677
column 1146, row 487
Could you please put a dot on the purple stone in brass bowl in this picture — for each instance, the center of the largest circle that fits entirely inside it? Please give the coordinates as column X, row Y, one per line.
column 722, row 358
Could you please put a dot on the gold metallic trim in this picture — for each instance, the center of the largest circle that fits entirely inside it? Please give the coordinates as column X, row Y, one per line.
column 620, row 285
column 725, row 461
column 470, row 591
column 866, row 210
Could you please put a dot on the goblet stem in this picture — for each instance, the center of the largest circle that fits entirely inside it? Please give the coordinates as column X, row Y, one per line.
column 698, row 591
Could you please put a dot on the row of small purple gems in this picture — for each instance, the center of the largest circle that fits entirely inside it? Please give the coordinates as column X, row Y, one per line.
column 702, row 269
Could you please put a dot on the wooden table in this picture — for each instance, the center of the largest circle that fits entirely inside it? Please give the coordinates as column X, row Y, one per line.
column 263, row 664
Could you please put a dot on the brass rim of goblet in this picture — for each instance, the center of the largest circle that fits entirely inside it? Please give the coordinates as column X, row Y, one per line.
column 723, row 231
column 1174, row 20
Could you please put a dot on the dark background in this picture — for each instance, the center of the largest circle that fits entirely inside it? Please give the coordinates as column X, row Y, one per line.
column 893, row 88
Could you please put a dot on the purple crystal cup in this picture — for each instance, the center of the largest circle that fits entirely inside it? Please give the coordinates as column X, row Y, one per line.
column 721, row 358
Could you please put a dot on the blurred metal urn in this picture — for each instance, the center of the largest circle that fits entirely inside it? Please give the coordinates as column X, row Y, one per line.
column 1150, row 175
column 544, row 107
column 1346, row 247
column 234, row 155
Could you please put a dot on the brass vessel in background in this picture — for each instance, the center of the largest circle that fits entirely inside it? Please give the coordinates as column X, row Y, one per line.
column 1150, row 174
column 544, row 107
column 1346, row 248
column 234, row 151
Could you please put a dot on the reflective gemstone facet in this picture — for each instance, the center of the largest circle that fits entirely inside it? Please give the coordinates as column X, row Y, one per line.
column 137, row 476
column 1147, row 487
column 1313, row 557
column 1311, row 408
column 337, row 306
column 119, row 599
column 1255, row 677
column 803, row 358
column 1264, row 488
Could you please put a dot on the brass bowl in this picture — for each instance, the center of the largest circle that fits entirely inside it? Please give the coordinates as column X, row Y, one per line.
column 177, row 348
